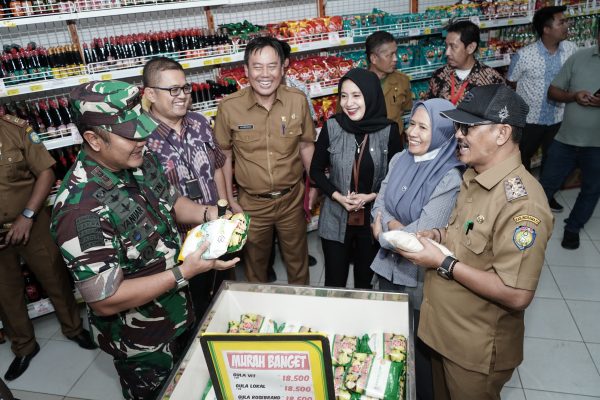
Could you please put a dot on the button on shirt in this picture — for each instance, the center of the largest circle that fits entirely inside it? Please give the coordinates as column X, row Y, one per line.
column 265, row 144
column 533, row 68
column 511, row 224
column 22, row 158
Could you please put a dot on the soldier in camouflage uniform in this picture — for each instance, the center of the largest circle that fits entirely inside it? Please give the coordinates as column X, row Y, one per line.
column 115, row 222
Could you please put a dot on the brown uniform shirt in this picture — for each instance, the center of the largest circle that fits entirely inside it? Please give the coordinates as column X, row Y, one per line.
column 22, row 157
column 266, row 144
column 398, row 97
column 511, row 225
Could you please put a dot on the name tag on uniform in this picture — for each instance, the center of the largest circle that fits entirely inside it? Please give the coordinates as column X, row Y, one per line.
column 245, row 127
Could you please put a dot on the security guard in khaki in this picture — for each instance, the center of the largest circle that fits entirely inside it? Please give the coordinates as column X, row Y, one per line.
column 271, row 147
column 472, row 314
column 25, row 181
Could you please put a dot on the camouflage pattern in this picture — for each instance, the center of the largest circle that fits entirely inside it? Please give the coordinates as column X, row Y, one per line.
column 112, row 226
column 114, row 106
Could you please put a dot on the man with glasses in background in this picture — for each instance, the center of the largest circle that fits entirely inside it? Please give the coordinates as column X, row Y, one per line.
column 474, row 301
column 185, row 146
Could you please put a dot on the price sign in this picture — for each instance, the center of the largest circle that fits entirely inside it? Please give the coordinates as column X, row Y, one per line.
column 282, row 366
column 510, row 22
column 315, row 89
column 343, row 42
column 36, row 88
column 226, row 59
column 106, row 77
column 12, row 92
column 294, row 49
column 185, row 65
column 427, row 31
column 414, row 32
column 209, row 62
column 218, row 60
column 9, row 24
column 84, row 80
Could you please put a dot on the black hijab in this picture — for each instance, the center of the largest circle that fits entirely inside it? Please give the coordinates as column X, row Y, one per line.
column 375, row 117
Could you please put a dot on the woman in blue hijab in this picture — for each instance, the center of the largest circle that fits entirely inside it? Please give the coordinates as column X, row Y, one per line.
column 417, row 194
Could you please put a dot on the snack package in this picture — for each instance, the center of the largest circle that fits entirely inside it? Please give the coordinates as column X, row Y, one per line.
column 225, row 236
column 389, row 346
column 342, row 347
column 409, row 242
column 341, row 392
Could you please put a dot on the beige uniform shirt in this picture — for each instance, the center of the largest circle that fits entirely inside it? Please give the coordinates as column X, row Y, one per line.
column 511, row 224
column 398, row 97
column 265, row 144
column 22, row 157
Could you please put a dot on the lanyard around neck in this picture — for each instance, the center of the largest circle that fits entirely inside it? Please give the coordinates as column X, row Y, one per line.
column 454, row 95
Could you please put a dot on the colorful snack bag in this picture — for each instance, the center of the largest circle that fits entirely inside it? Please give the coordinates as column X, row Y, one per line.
column 341, row 392
column 342, row 347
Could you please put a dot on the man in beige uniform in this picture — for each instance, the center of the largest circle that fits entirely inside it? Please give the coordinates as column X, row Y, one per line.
column 473, row 305
column 268, row 130
column 26, row 177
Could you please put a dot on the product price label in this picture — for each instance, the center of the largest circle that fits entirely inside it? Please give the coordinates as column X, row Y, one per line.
column 278, row 367
column 427, row 31
column 294, row 49
column 414, row 32
column 84, row 80
column 36, row 88
column 185, row 65
column 209, row 62
column 9, row 24
column 106, row 77
column 333, row 37
column 315, row 89
column 13, row 92
column 218, row 60
column 227, row 59
column 510, row 22
column 343, row 42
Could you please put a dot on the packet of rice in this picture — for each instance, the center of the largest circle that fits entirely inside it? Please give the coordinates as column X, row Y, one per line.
column 226, row 235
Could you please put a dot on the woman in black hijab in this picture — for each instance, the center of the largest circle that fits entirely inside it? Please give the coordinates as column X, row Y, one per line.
column 355, row 146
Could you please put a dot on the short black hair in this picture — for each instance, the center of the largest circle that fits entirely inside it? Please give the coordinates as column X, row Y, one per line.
column 375, row 40
column 157, row 65
column 516, row 134
column 469, row 32
column 259, row 43
column 544, row 17
column 287, row 49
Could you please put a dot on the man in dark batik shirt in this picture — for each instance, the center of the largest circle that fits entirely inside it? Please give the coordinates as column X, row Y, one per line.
column 462, row 71
column 184, row 144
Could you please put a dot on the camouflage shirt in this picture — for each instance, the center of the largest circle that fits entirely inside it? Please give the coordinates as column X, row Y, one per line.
column 112, row 226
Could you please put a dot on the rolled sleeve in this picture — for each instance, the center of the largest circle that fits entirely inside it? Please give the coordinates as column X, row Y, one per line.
column 88, row 244
column 222, row 131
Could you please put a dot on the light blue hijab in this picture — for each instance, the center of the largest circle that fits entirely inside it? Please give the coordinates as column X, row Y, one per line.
column 411, row 183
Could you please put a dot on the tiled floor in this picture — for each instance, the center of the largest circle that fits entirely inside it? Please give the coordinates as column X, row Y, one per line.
column 562, row 344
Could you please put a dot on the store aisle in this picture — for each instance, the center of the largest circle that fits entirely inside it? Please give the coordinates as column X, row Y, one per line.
column 562, row 329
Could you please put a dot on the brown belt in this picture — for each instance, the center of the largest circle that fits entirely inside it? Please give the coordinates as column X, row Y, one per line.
column 275, row 195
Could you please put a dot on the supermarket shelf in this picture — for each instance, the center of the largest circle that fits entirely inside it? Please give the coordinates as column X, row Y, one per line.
column 61, row 138
column 81, row 11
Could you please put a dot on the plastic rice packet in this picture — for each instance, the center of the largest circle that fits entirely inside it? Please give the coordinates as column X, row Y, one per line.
column 225, row 235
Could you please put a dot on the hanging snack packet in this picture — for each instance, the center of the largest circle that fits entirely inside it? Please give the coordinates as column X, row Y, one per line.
column 341, row 392
column 342, row 347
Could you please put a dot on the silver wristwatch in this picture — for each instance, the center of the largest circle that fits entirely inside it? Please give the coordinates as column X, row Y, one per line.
column 181, row 282
column 28, row 213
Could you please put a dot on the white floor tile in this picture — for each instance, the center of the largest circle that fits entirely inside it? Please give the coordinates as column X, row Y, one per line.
column 515, row 380
column 593, row 228
column 55, row 369
column 594, row 349
column 586, row 315
column 510, row 393
column 24, row 395
column 576, row 283
column 550, row 319
column 46, row 326
column 568, row 198
column 587, row 255
column 559, row 366
column 540, row 395
column 99, row 382
column 547, row 285
column 7, row 356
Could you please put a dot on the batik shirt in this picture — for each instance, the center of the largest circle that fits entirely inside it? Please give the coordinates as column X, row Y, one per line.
column 112, row 226
column 440, row 83
column 192, row 154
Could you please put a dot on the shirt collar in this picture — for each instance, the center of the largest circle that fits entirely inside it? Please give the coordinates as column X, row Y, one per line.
column 251, row 98
column 494, row 175
column 165, row 130
column 427, row 156
column 546, row 52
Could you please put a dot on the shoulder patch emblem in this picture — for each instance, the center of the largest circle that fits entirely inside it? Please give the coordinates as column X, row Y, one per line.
column 34, row 137
column 89, row 232
column 525, row 217
column 514, row 188
column 524, row 237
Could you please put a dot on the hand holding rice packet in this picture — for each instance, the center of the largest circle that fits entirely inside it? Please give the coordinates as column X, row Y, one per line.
column 225, row 235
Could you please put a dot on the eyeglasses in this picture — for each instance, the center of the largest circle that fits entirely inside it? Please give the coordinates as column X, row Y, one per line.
column 464, row 128
column 175, row 90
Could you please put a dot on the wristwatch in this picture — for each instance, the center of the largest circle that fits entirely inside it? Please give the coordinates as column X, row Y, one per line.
column 28, row 213
column 181, row 282
column 445, row 270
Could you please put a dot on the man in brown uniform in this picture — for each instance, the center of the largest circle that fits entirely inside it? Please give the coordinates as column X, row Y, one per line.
column 381, row 51
column 268, row 130
column 473, row 305
column 26, row 177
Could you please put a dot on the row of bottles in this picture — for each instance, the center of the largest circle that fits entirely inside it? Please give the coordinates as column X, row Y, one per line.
column 65, row 158
column 44, row 116
column 31, row 63
column 212, row 90
column 181, row 43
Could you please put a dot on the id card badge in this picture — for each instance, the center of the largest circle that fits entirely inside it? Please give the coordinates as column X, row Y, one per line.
column 193, row 189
